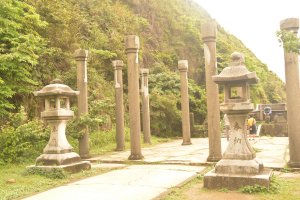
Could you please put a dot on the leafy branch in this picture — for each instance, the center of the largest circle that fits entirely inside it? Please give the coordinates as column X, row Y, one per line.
column 289, row 41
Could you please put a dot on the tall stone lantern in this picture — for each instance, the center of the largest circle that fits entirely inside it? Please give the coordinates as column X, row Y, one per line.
column 58, row 153
column 238, row 167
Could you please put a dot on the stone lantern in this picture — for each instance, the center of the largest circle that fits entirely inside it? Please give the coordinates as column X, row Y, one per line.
column 238, row 167
column 58, row 151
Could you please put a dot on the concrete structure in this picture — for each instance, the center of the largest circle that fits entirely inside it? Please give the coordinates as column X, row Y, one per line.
column 208, row 32
column 145, row 105
column 120, row 136
column 58, row 153
column 277, row 109
column 293, row 94
column 132, row 45
column 238, row 166
column 81, row 56
column 185, row 111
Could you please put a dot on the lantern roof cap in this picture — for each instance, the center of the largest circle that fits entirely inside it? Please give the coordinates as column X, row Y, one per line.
column 56, row 87
column 236, row 72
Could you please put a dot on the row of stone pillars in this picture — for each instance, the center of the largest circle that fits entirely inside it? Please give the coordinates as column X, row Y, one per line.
column 132, row 48
column 213, row 114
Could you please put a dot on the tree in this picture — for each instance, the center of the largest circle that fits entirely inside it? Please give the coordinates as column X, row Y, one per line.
column 20, row 46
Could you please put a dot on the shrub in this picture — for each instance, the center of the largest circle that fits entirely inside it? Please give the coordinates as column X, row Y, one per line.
column 23, row 143
column 54, row 173
column 165, row 104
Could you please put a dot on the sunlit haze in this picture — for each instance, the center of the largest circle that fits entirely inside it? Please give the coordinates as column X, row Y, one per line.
column 255, row 23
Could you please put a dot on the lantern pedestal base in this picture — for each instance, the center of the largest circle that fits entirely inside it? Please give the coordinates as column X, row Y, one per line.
column 228, row 166
column 72, row 168
column 57, row 159
column 212, row 180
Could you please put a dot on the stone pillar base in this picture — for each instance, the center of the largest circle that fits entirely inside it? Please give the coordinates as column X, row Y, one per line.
column 57, row 159
column 228, row 166
column 120, row 149
column 213, row 158
column 135, row 157
column 72, row 168
column 213, row 180
column 186, row 143
column 294, row 164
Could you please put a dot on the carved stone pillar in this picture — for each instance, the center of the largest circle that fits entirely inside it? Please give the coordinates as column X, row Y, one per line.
column 185, row 112
column 132, row 45
column 208, row 32
column 120, row 136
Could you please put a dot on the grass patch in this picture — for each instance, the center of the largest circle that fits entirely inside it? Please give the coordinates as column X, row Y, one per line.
column 280, row 189
column 275, row 185
column 178, row 193
column 104, row 141
column 30, row 182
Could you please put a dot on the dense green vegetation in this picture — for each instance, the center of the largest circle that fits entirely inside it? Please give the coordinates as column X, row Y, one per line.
column 38, row 39
column 289, row 41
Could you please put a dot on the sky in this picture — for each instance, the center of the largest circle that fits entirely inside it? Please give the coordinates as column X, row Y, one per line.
column 255, row 23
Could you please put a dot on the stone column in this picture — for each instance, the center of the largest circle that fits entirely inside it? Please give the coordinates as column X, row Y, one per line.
column 120, row 137
column 293, row 95
column 145, row 106
column 208, row 32
column 132, row 45
column 185, row 112
column 81, row 56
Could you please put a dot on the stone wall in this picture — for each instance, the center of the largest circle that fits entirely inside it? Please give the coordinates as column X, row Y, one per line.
column 274, row 129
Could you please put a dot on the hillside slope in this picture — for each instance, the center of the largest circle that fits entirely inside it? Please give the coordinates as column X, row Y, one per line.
column 168, row 30
column 174, row 33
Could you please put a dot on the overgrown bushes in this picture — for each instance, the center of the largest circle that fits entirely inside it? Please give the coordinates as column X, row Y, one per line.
column 165, row 105
column 22, row 143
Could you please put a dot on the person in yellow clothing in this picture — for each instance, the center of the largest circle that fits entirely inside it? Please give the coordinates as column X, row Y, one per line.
column 251, row 126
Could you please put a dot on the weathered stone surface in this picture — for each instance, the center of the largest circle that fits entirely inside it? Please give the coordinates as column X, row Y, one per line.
column 185, row 112
column 274, row 130
column 214, row 180
column 290, row 24
column 209, row 33
column 145, row 105
column 72, row 167
column 120, row 135
column 81, row 56
column 49, row 159
column 57, row 112
column 293, row 94
column 234, row 166
column 132, row 45
column 238, row 166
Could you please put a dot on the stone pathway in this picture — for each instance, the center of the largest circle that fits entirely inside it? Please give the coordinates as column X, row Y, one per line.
column 135, row 182
column 272, row 151
column 168, row 165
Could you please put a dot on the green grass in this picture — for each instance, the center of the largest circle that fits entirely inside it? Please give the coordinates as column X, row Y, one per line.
column 281, row 189
column 29, row 184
